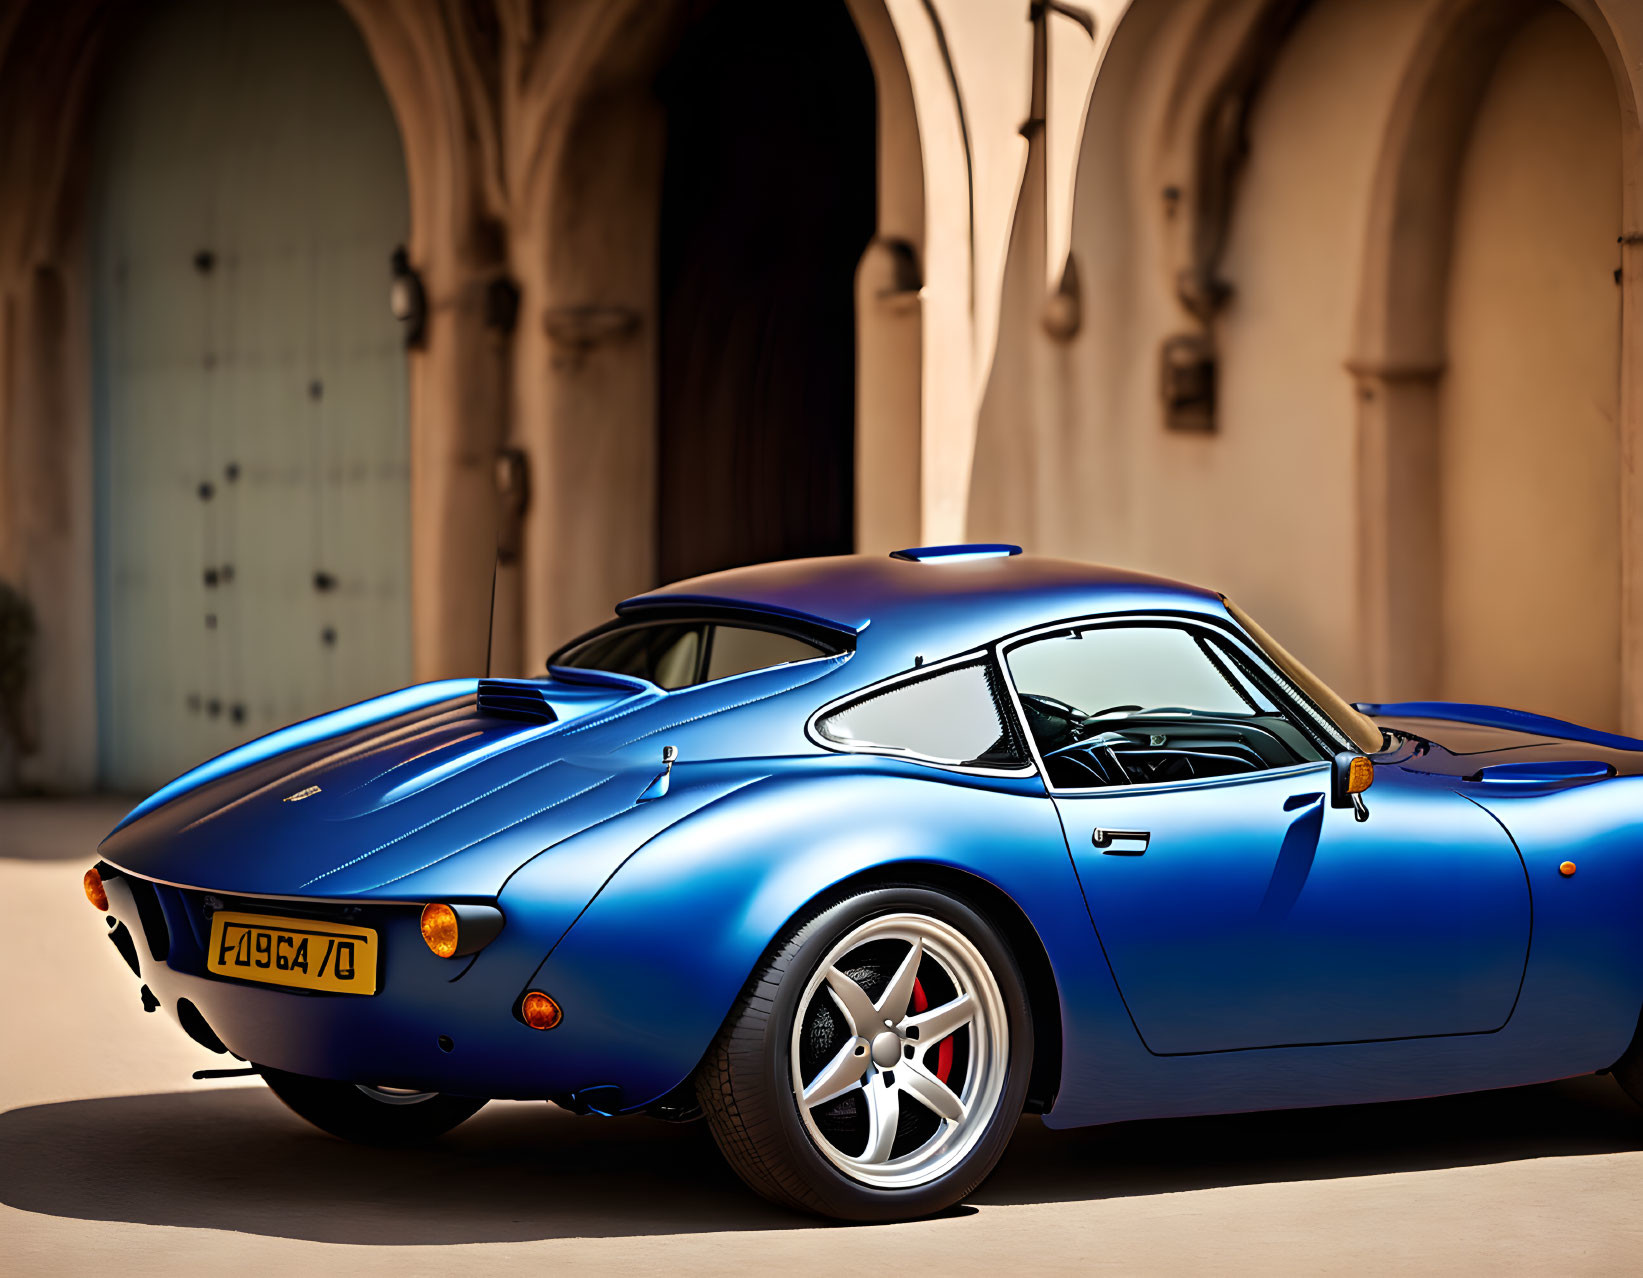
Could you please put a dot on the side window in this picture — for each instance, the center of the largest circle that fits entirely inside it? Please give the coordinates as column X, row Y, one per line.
column 1141, row 704
column 954, row 715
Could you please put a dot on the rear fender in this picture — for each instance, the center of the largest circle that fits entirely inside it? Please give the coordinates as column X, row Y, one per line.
column 649, row 972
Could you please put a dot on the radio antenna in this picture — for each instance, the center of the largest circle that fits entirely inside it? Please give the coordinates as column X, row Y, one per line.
column 490, row 629
column 512, row 496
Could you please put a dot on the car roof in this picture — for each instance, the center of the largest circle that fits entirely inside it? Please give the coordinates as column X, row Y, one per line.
column 901, row 607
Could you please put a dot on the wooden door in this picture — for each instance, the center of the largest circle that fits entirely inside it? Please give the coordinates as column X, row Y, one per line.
column 249, row 383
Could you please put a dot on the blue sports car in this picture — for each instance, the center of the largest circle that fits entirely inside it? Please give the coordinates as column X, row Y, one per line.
column 860, row 858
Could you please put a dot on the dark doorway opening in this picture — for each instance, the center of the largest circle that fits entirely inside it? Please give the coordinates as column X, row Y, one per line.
column 768, row 202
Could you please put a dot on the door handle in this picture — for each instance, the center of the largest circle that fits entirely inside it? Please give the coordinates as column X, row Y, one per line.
column 1107, row 841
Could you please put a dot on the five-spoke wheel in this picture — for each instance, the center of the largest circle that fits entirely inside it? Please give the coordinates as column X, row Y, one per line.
column 885, row 1081
column 877, row 1063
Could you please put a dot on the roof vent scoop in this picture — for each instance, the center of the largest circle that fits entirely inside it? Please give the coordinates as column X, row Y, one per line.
column 956, row 554
column 515, row 699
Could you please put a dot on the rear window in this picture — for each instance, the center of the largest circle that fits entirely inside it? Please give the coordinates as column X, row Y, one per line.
column 735, row 650
column 679, row 654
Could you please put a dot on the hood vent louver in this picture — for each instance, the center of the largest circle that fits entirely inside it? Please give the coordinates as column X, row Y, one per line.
column 515, row 699
column 1544, row 772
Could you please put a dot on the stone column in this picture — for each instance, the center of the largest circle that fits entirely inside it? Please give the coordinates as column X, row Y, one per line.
column 442, row 76
column 48, row 54
column 1399, row 507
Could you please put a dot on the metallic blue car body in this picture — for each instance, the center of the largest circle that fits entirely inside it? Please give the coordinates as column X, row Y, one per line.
column 1267, row 951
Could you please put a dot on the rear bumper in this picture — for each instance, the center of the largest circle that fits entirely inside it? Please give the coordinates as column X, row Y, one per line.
column 434, row 1024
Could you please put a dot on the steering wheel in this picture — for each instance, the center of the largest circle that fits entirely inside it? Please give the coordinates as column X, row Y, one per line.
column 1052, row 707
column 1070, row 723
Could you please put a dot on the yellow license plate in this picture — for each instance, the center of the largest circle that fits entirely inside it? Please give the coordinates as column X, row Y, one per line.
column 309, row 954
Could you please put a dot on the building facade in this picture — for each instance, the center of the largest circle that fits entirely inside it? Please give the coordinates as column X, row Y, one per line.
column 349, row 342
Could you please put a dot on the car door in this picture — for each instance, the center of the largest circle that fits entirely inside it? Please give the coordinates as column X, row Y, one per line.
column 1237, row 908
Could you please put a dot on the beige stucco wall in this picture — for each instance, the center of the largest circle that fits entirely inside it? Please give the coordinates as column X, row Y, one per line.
column 1300, row 503
column 1281, row 470
column 1261, row 509
column 988, row 405
column 971, row 70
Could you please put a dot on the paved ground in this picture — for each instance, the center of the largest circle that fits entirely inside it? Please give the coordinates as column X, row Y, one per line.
column 113, row 1161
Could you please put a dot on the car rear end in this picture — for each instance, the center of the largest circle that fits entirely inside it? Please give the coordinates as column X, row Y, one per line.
column 331, row 989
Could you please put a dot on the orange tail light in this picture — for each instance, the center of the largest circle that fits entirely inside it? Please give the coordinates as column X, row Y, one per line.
column 539, row 1011
column 440, row 929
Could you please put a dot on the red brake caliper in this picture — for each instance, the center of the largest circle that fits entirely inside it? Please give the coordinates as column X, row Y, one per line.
column 944, row 1053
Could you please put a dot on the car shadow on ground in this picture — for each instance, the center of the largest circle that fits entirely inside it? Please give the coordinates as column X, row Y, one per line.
column 234, row 1159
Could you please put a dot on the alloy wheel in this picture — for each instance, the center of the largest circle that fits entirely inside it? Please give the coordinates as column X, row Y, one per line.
column 899, row 1051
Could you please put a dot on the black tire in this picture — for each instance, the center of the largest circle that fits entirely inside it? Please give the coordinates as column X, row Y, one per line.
column 1628, row 1070
column 745, row 1083
column 345, row 1111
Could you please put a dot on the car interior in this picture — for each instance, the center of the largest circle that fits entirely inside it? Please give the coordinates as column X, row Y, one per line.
column 1144, row 704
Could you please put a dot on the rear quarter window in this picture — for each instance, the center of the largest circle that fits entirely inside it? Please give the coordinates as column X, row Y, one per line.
column 954, row 715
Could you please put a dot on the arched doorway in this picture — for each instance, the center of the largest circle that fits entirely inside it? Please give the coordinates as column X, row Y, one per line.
column 1529, row 454
column 767, row 205
column 248, row 382
column 1491, row 420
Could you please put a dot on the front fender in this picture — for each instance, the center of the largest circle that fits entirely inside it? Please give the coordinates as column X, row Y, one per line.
column 1584, row 984
column 648, row 973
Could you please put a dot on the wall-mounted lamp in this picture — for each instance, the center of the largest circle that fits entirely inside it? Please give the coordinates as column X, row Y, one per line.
column 513, row 492
column 1186, row 381
column 407, row 301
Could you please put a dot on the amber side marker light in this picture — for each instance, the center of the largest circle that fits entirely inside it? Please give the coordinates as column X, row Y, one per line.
column 94, row 889
column 440, row 929
column 1566, row 869
column 1350, row 775
column 539, row 1011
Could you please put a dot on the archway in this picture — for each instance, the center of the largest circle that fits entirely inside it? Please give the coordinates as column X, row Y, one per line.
column 767, row 205
column 1489, row 368
column 733, row 344
column 248, row 382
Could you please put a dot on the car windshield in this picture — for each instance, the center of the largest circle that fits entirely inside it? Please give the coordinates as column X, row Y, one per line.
column 1359, row 728
column 678, row 654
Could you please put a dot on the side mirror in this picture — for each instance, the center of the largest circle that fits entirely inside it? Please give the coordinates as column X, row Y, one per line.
column 1350, row 776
